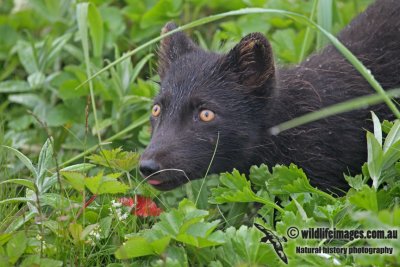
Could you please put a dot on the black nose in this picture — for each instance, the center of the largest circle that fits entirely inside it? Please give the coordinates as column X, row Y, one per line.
column 148, row 167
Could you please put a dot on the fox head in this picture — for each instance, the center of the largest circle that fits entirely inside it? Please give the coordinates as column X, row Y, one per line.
column 210, row 115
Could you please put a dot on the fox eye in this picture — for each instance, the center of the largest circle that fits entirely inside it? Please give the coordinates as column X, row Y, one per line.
column 207, row 115
column 156, row 110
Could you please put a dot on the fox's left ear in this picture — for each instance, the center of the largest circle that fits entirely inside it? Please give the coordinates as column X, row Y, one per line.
column 252, row 61
column 172, row 47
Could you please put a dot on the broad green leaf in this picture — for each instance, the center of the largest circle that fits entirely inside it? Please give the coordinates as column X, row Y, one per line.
column 4, row 237
column 54, row 200
column 356, row 182
column 134, row 247
column 23, row 182
column 386, row 127
column 81, row 167
column 25, row 160
column 116, row 159
column 161, row 12
column 75, row 179
column 16, row 200
column 57, row 45
column 375, row 158
column 236, row 188
column 393, row 136
column 391, row 156
column 27, row 56
column 377, row 128
column 45, row 158
column 105, row 226
column 364, row 198
column 96, row 29
column 14, row 87
column 36, row 260
column 259, row 175
column 16, row 246
column 50, row 181
column 186, row 224
column 292, row 180
column 36, row 80
column 75, row 229
column 244, row 245
column 105, row 184
column 88, row 229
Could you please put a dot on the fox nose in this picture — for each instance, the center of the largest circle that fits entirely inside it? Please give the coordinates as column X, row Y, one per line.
column 148, row 167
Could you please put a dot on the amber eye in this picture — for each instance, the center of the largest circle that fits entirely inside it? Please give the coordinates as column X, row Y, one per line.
column 207, row 115
column 156, row 110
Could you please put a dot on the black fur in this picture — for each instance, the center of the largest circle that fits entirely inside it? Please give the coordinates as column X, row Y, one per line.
column 248, row 96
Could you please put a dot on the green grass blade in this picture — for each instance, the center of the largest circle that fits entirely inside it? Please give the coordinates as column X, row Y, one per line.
column 82, row 10
column 356, row 103
column 307, row 37
column 324, row 19
column 96, row 30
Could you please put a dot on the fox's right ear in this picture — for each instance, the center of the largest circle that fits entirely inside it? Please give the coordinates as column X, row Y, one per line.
column 172, row 47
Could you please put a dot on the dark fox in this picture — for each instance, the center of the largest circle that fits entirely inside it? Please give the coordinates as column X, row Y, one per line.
column 228, row 103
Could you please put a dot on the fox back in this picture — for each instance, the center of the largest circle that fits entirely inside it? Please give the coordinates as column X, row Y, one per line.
column 214, row 111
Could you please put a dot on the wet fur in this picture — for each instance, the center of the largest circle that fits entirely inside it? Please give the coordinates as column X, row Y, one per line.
column 249, row 95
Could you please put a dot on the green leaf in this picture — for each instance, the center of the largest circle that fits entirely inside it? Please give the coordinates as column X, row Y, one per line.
column 88, row 229
column 45, row 158
column 96, row 29
column 36, row 80
column 27, row 56
column 75, row 179
column 105, row 184
column 387, row 126
column 393, row 136
column 365, row 198
column 24, row 159
column 377, row 128
column 50, row 181
column 259, row 175
column 81, row 167
column 235, row 188
column 186, row 224
column 23, row 182
column 14, row 87
column 161, row 12
column 76, row 229
column 244, row 245
column 4, row 238
column 16, row 246
column 35, row 260
column 355, row 182
column 375, row 159
column 391, row 156
column 137, row 246
column 105, row 226
column 292, row 180
column 116, row 159
column 15, row 200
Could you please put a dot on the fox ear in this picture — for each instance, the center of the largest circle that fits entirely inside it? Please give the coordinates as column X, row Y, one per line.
column 172, row 47
column 253, row 61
